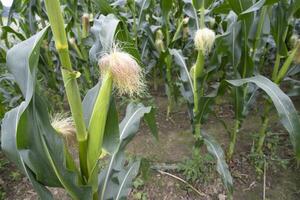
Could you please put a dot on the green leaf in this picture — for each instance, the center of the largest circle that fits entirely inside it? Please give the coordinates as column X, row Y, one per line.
column 254, row 7
column 283, row 104
column 238, row 6
column 109, row 31
column 15, row 8
column 127, row 179
column 103, row 31
column 117, row 177
column 130, row 124
column 110, row 179
column 150, row 120
column 42, row 191
column 198, row 3
column 53, row 147
column 166, row 7
column 191, row 11
column 229, row 43
column 19, row 59
column 186, row 87
column 294, row 7
column 257, row 6
column 27, row 135
column 215, row 149
column 184, row 71
column 123, row 36
column 103, row 7
column 89, row 101
column 205, row 106
column 8, row 29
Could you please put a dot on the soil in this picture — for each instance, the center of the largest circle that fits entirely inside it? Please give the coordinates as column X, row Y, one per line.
column 175, row 145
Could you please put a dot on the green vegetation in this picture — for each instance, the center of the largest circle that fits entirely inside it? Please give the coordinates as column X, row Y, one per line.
column 90, row 58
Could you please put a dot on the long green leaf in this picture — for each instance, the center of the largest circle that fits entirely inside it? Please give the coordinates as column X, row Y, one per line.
column 110, row 32
column 184, row 71
column 166, row 7
column 254, row 7
column 215, row 149
column 104, row 7
column 22, row 61
column 27, row 136
column 128, row 128
column 258, row 5
column 127, row 180
column 103, row 31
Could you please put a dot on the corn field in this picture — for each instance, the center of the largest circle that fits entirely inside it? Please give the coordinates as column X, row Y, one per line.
column 150, row 99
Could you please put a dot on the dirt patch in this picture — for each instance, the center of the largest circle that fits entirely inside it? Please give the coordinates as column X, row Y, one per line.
column 175, row 138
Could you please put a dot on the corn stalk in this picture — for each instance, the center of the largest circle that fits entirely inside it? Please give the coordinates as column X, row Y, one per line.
column 69, row 77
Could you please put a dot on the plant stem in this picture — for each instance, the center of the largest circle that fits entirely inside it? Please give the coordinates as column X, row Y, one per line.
column 263, row 129
column 69, row 78
column 167, row 31
column 276, row 66
column 179, row 27
column 168, row 61
column 286, row 65
column 155, row 78
column 202, row 15
column 134, row 23
column 267, row 108
column 233, row 138
column 245, row 50
column 198, row 71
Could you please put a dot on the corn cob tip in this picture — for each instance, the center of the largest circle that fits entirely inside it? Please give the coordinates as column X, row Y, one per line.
column 204, row 40
column 128, row 76
column 63, row 125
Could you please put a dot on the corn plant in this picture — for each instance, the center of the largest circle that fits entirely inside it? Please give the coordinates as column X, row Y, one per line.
column 194, row 85
column 203, row 48
column 278, row 27
column 233, row 50
column 156, row 34
column 39, row 148
column 241, row 48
